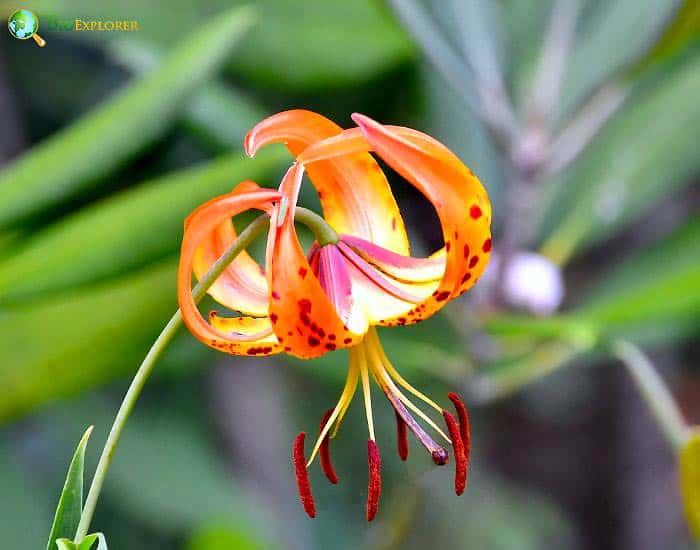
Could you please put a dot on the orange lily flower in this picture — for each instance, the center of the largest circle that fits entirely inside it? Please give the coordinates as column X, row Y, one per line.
column 309, row 303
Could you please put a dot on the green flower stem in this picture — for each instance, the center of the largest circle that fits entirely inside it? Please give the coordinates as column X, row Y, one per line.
column 241, row 243
column 654, row 392
column 323, row 232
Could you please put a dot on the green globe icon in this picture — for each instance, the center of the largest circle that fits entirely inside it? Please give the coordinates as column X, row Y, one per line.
column 24, row 24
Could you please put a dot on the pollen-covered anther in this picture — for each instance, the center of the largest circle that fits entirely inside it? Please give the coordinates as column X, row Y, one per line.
column 325, row 451
column 374, row 487
column 303, row 483
column 460, row 457
column 463, row 417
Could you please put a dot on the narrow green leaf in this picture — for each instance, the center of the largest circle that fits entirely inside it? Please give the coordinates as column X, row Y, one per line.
column 683, row 30
column 89, row 540
column 65, row 544
column 78, row 156
column 70, row 504
column 690, row 481
column 61, row 346
column 123, row 232
column 653, row 295
column 617, row 34
column 647, row 151
column 283, row 53
column 217, row 114
column 221, row 538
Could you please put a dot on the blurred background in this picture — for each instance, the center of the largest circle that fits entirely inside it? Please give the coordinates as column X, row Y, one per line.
column 580, row 117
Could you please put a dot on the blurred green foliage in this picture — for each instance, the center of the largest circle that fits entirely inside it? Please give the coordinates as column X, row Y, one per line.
column 92, row 218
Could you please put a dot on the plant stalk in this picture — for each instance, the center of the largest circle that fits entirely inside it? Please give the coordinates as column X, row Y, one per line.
column 245, row 238
column 654, row 391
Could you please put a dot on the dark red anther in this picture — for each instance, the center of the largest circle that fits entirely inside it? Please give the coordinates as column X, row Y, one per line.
column 463, row 421
column 402, row 436
column 460, row 457
column 307, row 499
column 374, row 487
column 325, row 450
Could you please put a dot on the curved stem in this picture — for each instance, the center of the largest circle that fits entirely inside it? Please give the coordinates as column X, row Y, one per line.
column 241, row 243
column 323, row 232
column 654, row 392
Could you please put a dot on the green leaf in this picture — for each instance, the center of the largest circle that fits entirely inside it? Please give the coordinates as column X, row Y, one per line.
column 683, row 30
column 221, row 538
column 61, row 346
column 88, row 541
column 217, row 114
column 77, row 157
column 653, row 295
column 328, row 43
column 646, row 152
column 690, row 481
column 617, row 34
column 70, row 504
column 123, row 232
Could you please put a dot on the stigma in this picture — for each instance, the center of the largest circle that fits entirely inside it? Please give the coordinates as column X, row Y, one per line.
column 368, row 361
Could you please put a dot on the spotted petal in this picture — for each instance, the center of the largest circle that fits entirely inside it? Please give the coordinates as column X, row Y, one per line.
column 459, row 198
column 353, row 190
column 242, row 335
column 304, row 318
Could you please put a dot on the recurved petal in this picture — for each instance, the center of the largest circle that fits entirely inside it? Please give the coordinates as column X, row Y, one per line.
column 378, row 298
column 398, row 266
column 459, row 199
column 353, row 190
column 249, row 336
column 303, row 317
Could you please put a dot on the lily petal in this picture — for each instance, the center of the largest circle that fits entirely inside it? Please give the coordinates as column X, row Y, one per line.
column 459, row 199
column 402, row 268
column 302, row 315
column 353, row 190
column 247, row 336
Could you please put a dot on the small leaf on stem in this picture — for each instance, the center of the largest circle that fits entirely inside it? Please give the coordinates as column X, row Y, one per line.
column 70, row 504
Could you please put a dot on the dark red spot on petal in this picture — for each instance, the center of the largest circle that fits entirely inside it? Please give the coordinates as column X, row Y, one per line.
column 466, row 277
column 474, row 260
column 347, row 340
column 447, row 246
column 303, row 484
column 466, row 251
column 275, row 295
column 486, row 247
column 313, row 341
column 302, row 272
column 331, row 336
column 330, row 346
column 304, row 305
column 475, row 212
column 324, row 451
column 374, row 487
column 273, row 318
column 442, row 296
